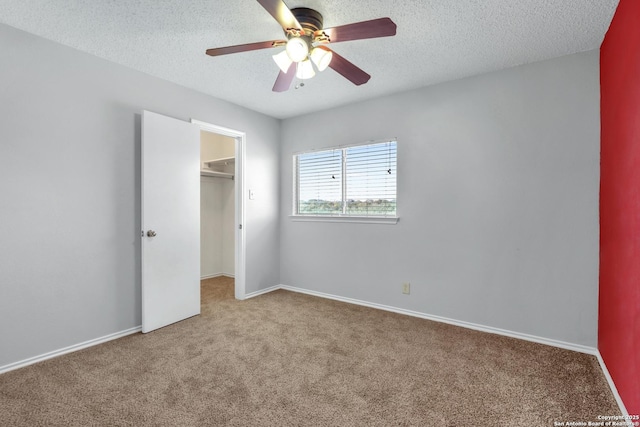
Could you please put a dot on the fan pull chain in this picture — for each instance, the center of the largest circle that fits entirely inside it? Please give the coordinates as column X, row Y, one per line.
column 300, row 83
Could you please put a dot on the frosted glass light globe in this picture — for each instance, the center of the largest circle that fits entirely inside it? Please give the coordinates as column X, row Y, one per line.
column 305, row 70
column 321, row 56
column 297, row 49
column 283, row 61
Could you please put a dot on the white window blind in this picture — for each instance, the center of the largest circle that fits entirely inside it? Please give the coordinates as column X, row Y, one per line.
column 357, row 181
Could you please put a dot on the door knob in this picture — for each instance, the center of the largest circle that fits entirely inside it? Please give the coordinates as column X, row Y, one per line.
column 151, row 233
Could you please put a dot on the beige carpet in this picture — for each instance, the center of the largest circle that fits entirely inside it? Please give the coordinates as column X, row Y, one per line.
column 286, row 359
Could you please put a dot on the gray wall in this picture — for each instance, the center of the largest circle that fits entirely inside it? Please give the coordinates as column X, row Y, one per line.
column 69, row 187
column 498, row 201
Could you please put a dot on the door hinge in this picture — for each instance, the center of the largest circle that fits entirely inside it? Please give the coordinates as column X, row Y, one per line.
column 240, row 226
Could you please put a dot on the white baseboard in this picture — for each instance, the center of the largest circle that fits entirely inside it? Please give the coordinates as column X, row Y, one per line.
column 612, row 385
column 468, row 325
column 262, row 291
column 211, row 276
column 70, row 349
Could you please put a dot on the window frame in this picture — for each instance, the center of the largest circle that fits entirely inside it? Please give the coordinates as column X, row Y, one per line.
column 341, row 217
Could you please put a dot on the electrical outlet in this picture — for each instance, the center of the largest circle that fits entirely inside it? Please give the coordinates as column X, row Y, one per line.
column 406, row 288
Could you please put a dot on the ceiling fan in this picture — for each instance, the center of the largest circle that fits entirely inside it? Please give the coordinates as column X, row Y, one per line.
column 306, row 44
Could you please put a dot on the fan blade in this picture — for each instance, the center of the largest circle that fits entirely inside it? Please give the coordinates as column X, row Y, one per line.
column 348, row 70
column 244, row 47
column 281, row 13
column 284, row 79
column 381, row 27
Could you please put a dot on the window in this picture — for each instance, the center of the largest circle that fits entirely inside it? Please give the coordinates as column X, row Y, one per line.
column 355, row 181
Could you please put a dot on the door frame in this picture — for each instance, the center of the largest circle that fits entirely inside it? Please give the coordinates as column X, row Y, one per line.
column 239, row 223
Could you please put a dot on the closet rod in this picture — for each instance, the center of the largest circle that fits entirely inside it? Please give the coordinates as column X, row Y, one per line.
column 216, row 174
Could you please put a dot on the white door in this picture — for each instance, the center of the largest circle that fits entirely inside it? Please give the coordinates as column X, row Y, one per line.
column 170, row 220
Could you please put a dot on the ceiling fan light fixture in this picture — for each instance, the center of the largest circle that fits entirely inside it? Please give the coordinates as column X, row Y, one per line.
column 283, row 60
column 297, row 49
column 305, row 70
column 321, row 56
column 304, row 43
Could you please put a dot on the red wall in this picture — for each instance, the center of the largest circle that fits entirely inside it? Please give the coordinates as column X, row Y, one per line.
column 619, row 302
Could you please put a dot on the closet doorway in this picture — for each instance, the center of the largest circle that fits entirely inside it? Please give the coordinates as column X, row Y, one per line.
column 217, row 205
column 221, row 207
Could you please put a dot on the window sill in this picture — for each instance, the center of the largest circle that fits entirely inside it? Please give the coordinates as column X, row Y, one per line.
column 356, row 219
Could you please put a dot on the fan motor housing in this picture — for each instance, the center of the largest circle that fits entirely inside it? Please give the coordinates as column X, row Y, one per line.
column 309, row 19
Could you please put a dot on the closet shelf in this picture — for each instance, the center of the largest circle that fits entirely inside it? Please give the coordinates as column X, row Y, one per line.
column 219, row 162
column 215, row 167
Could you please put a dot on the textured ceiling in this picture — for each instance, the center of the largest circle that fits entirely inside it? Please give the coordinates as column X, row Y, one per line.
column 436, row 41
